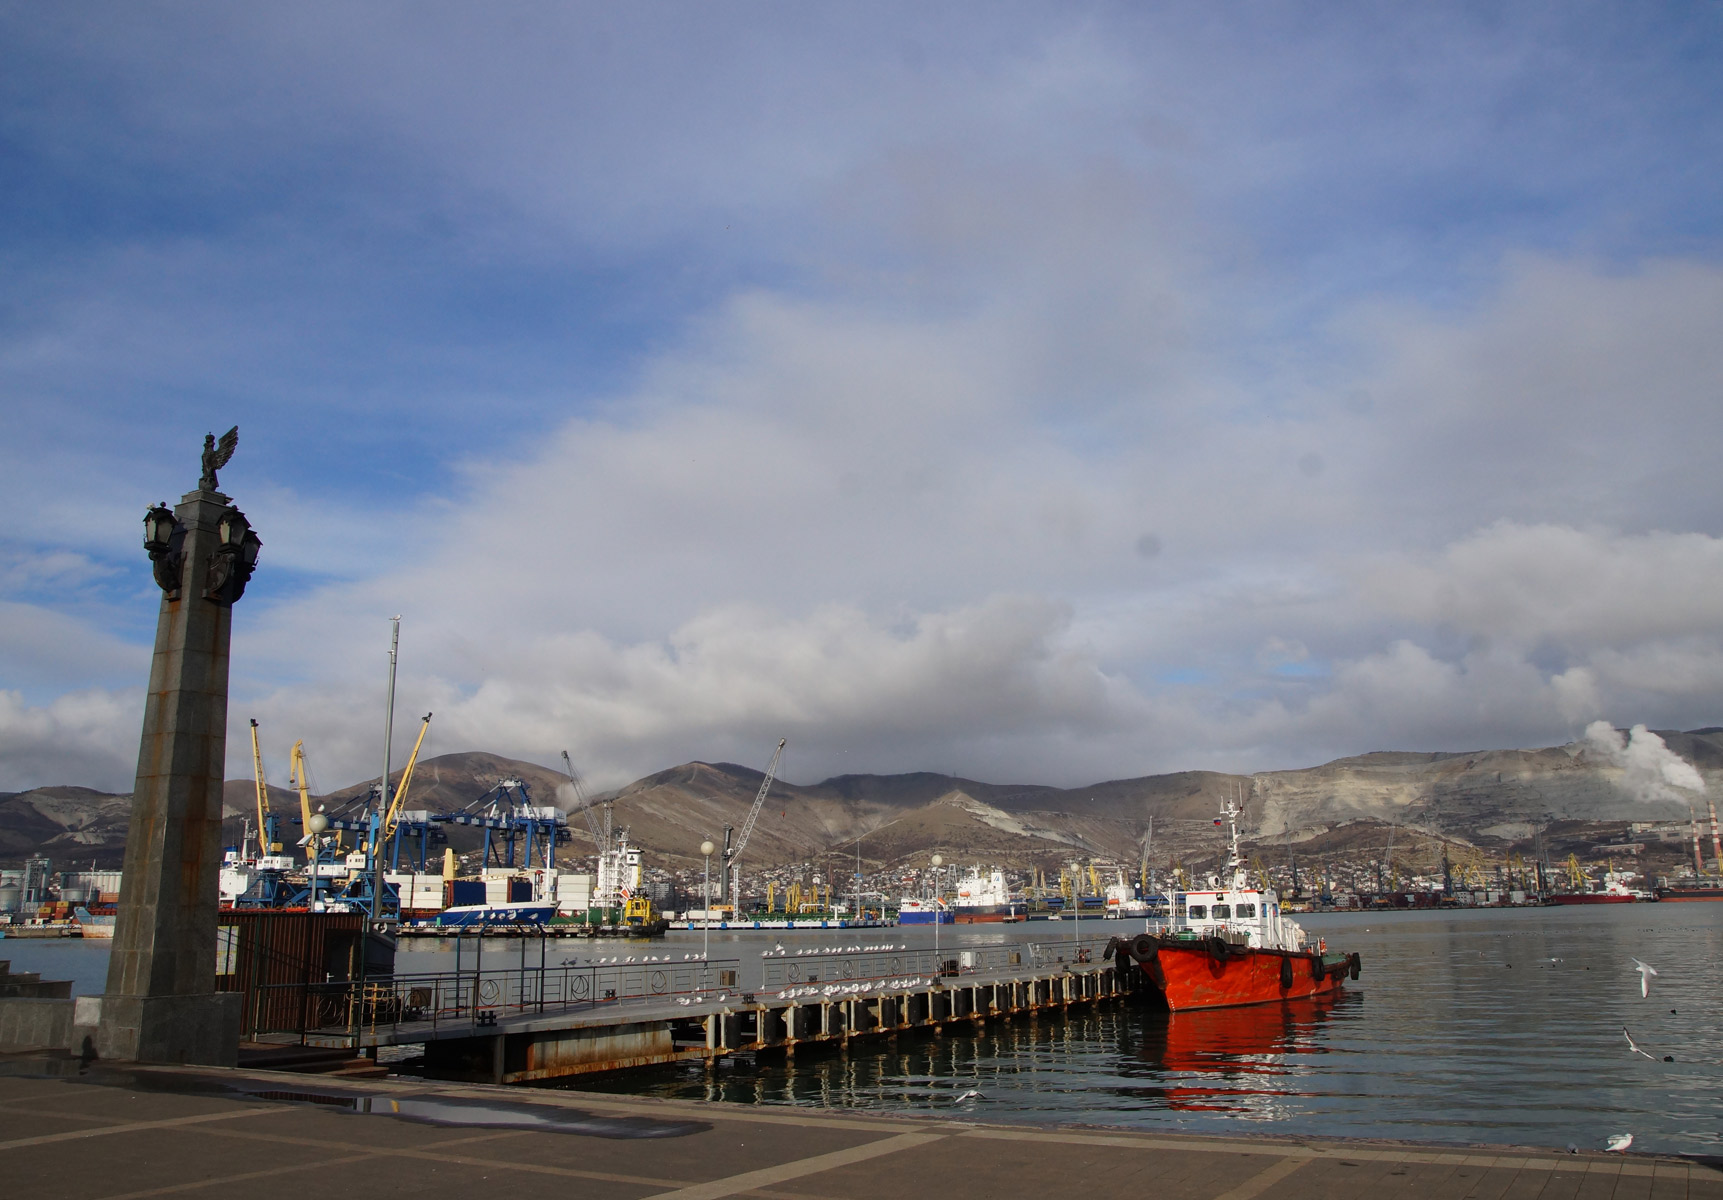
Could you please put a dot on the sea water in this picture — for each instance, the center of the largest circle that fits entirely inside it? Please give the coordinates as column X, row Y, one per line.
column 1495, row 1026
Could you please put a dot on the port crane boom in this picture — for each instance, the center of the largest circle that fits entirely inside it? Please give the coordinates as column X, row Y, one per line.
column 731, row 855
column 600, row 833
column 268, row 831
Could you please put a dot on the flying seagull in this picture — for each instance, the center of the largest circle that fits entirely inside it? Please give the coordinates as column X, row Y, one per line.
column 972, row 1094
column 1646, row 971
column 1635, row 1048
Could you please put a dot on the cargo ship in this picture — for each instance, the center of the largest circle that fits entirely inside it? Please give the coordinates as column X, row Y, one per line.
column 1711, row 889
column 1613, row 890
column 1230, row 946
column 985, row 899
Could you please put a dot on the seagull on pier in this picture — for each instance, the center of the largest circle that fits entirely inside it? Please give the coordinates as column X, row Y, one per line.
column 1646, row 971
column 1619, row 1143
column 1631, row 1046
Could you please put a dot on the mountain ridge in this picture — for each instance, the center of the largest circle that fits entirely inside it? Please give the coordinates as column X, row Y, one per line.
column 1467, row 796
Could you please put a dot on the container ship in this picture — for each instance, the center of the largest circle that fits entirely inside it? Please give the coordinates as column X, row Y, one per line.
column 1231, row 946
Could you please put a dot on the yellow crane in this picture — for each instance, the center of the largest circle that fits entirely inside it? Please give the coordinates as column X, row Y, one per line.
column 386, row 829
column 1575, row 873
column 296, row 776
column 266, row 835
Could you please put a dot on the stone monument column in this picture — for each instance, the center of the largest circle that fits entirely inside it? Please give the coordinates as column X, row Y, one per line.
column 161, row 1004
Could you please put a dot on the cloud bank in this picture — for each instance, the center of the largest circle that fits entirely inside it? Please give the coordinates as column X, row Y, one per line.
column 1111, row 395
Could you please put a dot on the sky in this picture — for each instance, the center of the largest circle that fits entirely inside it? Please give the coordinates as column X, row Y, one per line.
column 1039, row 393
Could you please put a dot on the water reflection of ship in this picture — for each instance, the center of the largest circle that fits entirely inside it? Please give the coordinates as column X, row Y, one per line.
column 1209, row 1056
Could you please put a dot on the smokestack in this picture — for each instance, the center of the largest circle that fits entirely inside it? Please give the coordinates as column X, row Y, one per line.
column 1716, row 842
column 1698, row 858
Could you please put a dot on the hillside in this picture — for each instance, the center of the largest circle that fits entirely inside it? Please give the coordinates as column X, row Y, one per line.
column 1490, row 797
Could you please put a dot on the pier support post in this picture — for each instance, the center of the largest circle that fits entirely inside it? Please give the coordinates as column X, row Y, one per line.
column 161, row 1004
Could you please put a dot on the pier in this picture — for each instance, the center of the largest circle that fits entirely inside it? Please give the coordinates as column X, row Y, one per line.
column 533, row 1021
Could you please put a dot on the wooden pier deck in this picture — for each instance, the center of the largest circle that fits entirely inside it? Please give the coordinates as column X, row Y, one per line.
column 503, row 1048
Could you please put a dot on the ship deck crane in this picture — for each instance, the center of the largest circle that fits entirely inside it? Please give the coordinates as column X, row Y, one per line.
column 734, row 873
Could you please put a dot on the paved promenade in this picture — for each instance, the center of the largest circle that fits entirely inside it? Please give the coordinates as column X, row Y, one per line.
column 167, row 1133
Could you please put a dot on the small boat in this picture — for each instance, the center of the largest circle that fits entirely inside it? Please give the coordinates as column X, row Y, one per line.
column 1229, row 946
column 93, row 926
column 914, row 911
column 985, row 899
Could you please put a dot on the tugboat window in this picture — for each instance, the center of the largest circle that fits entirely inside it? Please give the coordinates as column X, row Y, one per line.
column 1222, row 912
column 1198, row 912
column 1247, row 910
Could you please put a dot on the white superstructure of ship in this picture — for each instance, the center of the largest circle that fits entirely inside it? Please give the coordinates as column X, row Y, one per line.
column 986, row 898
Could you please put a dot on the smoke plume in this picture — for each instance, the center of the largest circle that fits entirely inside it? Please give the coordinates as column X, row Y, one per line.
column 1651, row 770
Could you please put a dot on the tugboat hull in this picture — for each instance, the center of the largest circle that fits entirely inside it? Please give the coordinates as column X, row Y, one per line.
column 1213, row 973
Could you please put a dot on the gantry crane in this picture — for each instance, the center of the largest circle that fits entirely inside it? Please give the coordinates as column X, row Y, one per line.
column 734, row 873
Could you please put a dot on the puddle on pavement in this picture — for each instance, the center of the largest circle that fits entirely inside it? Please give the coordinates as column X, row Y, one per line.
column 489, row 1114
column 426, row 1109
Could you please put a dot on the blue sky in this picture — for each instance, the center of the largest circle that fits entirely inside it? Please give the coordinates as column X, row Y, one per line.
column 1047, row 392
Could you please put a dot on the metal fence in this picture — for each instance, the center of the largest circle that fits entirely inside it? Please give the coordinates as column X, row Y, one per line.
column 781, row 969
column 355, row 1011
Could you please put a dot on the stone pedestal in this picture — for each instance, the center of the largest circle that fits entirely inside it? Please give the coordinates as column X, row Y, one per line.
column 200, row 1030
column 161, row 1004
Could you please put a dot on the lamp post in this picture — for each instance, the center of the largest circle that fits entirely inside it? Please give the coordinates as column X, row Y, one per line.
column 317, row 826
column 938, row 908
column 706, row 849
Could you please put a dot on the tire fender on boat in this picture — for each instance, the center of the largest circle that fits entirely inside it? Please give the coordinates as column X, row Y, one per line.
column 1318, row 969
column 1355, row 964
column 1216, row 946
column 1285, row 972
column 1147, row 951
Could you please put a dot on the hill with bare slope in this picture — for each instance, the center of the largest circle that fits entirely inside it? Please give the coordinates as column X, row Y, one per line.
column 1486, row 797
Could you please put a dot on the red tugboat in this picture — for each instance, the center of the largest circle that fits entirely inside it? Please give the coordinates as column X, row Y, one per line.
column 1229, row 946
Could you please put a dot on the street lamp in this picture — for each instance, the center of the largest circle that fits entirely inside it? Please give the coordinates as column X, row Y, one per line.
column 162, row 539
column 938, row 909
column 706, row 849
column 315, row 828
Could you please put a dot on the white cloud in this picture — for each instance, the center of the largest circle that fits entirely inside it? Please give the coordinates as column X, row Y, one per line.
column 88, row 738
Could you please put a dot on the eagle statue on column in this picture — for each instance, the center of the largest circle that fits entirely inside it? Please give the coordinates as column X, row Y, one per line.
column 216, row 455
